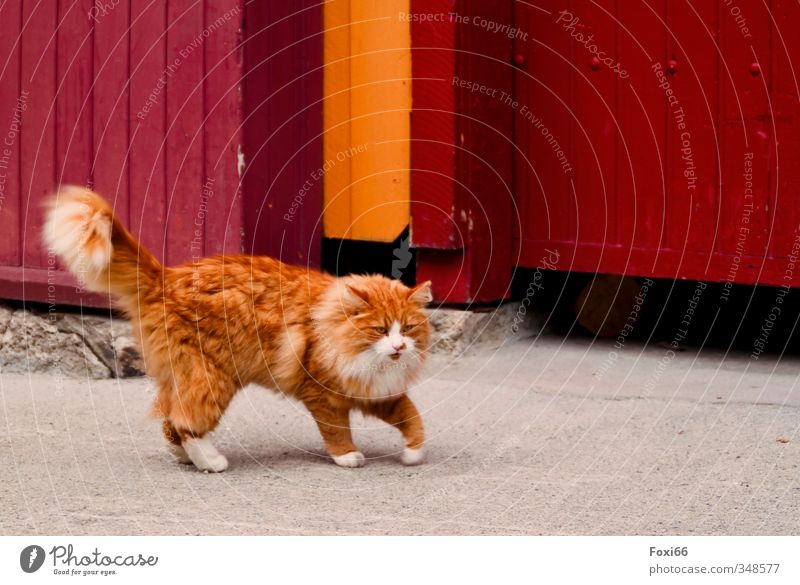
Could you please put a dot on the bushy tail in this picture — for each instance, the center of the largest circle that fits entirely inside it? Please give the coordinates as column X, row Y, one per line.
column 81, row 229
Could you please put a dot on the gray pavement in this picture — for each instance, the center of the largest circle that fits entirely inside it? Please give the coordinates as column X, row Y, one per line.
column 544, row 437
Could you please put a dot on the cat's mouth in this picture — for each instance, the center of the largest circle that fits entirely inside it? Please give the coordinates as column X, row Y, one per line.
column 395, row 356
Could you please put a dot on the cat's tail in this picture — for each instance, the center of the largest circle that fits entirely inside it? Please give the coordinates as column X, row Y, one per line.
column 83, row 231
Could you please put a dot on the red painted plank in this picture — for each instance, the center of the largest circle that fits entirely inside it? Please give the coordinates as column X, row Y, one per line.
column 222, row 197
column 433, row 133
column 38, row 140
column 282, row 135
column 256, row 131
column 692, row 207
column 185, row 109
column 543, row 123
column 10, row 126
column 481, row 217
column 310, row 126
column 74, row 102
column 642, row 158
column 746, row 134
column 784, row 170
column 148, row 96
column 111, row 97
column 595, row 131
column 484, row 204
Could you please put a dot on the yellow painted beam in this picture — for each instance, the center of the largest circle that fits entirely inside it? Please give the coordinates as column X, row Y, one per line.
column 367, row 89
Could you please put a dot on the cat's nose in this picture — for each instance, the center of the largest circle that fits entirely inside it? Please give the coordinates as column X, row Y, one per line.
column 398, row 345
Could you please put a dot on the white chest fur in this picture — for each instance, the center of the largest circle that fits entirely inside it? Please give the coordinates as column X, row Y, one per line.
column 383, row 378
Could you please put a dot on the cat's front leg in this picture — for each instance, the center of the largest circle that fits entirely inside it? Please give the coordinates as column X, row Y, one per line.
column 333, row 421
column 403, row 415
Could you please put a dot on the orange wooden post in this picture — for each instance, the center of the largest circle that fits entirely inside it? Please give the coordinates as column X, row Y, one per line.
column 367, row 89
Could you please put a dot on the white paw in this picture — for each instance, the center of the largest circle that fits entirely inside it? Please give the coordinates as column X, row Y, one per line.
column 351, row 459
column 179, row 454
column 204, row 455
column 412, row 456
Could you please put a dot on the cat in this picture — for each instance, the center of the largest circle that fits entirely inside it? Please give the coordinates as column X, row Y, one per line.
column 208, row 328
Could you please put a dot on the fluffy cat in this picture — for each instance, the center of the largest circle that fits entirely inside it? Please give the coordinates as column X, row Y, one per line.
column 209, row 328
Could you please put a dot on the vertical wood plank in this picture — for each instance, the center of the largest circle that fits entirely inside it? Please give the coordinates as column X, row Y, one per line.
column 595, row 132
column 38, row 139
column 10, row 128
column 484, row 174
column 643, row 108
column 311, row 131
column 283, row 133
column 221, row 198
column 279, row 104
column 185, row 158
column 544, row 117
column 746, row 134
column 477, row 266
column 256, row 132
column 111, row 107
column 148, row 90
column 433, row 126
column 74, row 102
column 693, row 150
column 784, row 170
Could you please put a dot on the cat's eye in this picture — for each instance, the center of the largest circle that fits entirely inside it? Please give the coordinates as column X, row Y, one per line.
column 381, row 330
column 409, row 327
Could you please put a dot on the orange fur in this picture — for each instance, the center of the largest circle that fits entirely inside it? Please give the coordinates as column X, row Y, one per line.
column 209, row 328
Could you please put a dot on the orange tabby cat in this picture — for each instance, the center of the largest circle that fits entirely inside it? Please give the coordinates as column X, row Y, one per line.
column 209, row 328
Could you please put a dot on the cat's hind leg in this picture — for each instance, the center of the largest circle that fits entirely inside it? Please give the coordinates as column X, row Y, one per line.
column 198, row 403
column 161, row 409
column 174, row 443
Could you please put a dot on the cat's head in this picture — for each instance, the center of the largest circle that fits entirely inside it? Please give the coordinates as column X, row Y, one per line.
column 377, row 321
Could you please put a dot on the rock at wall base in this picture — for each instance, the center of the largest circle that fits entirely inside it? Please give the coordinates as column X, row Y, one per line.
column 456, row 331
column 30, row 342
column 67, row 344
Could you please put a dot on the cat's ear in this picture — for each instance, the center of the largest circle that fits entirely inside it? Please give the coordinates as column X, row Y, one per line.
column 357, row 295
column 421, row 294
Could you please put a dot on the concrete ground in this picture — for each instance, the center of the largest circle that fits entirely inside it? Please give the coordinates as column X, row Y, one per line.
column 538, row 437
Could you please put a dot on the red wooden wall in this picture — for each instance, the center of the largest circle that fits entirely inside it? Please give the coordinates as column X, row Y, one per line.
column 696, row 187
column 148, row 102
column 463, row 216
column 142, row 101
column 283, row 129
